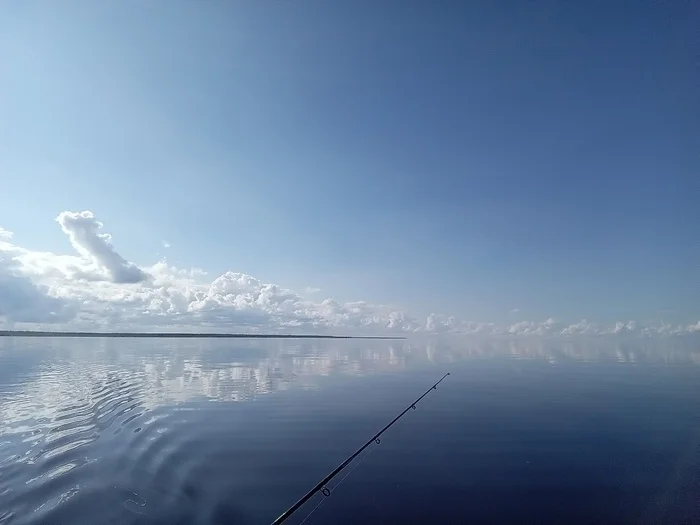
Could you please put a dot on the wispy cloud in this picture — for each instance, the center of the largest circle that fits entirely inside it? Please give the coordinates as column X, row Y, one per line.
column 98, row 288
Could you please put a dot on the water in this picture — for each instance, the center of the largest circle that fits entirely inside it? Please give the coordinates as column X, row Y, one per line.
column 208, row 431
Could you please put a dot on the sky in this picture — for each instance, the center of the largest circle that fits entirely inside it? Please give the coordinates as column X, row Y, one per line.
column 390, row 166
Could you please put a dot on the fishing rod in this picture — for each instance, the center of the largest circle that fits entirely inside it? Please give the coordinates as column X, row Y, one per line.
column 321, row 485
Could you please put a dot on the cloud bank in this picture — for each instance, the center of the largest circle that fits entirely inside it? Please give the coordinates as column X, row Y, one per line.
column 98, row 289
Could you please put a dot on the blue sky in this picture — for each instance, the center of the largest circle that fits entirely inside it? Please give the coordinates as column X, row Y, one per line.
column 465, row 158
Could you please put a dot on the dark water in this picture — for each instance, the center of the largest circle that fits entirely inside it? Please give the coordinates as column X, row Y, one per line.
column 213, row 432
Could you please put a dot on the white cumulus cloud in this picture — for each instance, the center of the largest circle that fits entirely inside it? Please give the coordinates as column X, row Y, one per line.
column 83, row 230
column 5, row 235
column 24, row 301
column 98, row 289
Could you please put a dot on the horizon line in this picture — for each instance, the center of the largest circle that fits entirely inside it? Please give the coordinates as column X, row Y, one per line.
column 213, row 335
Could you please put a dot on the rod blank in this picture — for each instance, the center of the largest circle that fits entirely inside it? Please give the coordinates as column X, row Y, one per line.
column 321, row 485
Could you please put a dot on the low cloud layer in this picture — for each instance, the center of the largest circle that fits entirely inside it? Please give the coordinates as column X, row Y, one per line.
column 98, row 289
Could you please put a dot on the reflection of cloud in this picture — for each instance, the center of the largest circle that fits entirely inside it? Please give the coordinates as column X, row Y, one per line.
column 61, row 400
column 59, row 395
column 79, row 371
column 592, row 349
column 73, row 370
column 85, row 373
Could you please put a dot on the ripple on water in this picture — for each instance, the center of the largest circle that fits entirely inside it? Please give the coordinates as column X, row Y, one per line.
column 54, row 430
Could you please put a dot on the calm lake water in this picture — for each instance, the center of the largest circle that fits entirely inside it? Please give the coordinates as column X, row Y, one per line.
column 149, row 431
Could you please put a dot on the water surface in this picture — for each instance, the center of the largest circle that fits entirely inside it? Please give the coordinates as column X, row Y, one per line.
column 214, row 431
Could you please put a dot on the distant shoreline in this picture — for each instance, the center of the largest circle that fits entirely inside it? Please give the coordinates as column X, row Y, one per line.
column 182, row 335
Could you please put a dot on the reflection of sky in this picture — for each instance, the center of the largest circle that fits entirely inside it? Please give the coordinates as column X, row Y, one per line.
column 39, row 376
column 63, row 401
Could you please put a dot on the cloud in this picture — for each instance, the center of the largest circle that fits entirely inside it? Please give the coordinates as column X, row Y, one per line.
column 83, row 230
column 98, row 289
column 621, row 327
column 166, row 244
column 5, row 235
column 23, row 301
column 547, row 327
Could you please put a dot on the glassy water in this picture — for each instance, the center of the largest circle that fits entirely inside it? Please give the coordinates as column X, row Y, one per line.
column 151, row 431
